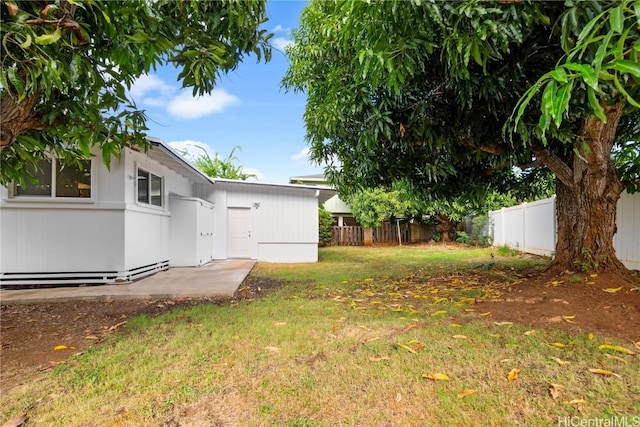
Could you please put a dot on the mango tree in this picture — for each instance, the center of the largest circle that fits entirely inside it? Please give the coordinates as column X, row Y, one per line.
column 462, row 97
column 67, row 66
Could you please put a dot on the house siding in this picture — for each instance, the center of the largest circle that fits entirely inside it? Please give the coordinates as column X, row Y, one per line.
column 284, row 222
column 112, row 236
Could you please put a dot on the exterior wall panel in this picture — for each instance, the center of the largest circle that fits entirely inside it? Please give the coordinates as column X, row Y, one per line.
column 61, row 240
column 627, row 239
column 284, row 221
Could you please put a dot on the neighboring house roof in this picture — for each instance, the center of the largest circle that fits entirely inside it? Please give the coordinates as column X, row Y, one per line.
column 315, row 178
column 169, row 157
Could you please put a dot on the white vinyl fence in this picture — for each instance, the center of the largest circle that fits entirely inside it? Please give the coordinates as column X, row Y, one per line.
column 531, row 228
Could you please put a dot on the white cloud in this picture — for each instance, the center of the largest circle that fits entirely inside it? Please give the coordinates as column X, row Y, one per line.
column 186, row 106
column 281, row 43
column 191, row 148
column 150, row 83
column 152, row 91
column 302, row 155
column 278, row 28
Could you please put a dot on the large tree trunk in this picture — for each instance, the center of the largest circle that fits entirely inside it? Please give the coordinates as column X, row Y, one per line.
column 586, row 226
column 587, row 191
column 445, row 228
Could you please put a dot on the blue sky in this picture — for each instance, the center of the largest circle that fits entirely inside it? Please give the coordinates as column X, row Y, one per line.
column 247, row 109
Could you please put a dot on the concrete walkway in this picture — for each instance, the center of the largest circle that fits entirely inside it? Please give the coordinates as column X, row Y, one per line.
column 216, row 279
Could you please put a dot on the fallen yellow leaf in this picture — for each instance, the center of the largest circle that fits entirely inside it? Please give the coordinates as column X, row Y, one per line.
column 557, row 344
column 485, row 314
column 15, row 421
column 560, row 362
column 590, row 336
column 604, row 372
column 459, row 337
column 91, row 337
column 619, row 359
column 367, row 341
column 379, row 359
column 637, row 345
column 62, row 347
column 506, row 360
column 409, row 349
column 465, row 393
column 612, row 290
column 503, row 323
column 273, row 350
column 576, row 402
column 438, row 313
column 554, row 389
column 513, row 374
column 456, row 325
column 616, row 348
column 531, row 332
column 436, row 377
column 569, row 317
column 594, row 275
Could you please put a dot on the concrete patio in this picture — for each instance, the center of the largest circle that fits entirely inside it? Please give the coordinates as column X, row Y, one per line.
column 216, row 279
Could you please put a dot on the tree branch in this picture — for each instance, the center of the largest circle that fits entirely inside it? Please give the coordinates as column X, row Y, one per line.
column 556, row 164
column 66, row 23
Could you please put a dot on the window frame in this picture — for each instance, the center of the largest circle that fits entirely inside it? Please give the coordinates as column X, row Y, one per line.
column 149, row 194
column 53, row 197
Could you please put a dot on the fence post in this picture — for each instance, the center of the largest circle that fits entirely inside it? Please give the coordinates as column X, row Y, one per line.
column 524, row 227
column 504, row 231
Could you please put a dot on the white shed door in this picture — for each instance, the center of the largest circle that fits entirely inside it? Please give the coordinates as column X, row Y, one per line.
column 239, row 233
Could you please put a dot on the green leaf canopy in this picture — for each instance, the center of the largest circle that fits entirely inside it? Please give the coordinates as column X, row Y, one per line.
column 67, row 66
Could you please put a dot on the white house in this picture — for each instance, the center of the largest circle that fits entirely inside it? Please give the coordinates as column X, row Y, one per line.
column 147, row 212
column 340, row 211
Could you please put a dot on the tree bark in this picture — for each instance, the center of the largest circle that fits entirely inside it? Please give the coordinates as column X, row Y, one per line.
column 18, row 117
column 368, row 236
column 445, row 228
column 587, row 194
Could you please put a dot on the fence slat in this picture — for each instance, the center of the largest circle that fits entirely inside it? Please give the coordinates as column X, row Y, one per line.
column 353, row 235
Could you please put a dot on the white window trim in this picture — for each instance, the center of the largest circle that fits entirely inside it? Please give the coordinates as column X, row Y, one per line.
column 55, row 199
column 135, row 193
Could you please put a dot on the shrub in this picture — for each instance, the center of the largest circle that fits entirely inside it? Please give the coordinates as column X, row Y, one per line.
column 325, row 222
column 462, row 237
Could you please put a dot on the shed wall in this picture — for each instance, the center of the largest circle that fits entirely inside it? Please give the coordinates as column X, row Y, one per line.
column 284, row 222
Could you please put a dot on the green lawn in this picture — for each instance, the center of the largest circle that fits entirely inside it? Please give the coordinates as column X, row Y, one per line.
column 351, row 340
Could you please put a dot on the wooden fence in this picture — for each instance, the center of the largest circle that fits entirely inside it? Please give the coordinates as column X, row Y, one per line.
column 348, row 235
column 386, row 233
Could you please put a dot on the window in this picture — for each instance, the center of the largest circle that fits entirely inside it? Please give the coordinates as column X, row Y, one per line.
column 149, row 189
column 56, row 179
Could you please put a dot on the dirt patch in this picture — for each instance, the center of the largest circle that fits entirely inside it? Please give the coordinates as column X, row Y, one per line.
column 30, row 332
column 601, row 305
